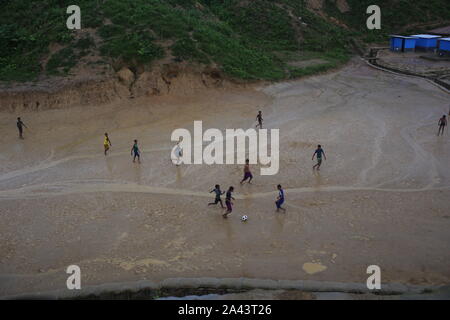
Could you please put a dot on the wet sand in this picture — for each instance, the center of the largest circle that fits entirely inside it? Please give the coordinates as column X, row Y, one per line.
column 380, row 198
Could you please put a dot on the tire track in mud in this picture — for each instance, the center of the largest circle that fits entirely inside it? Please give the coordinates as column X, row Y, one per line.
column 63, row 188
column 49, row 163
column 421, row 157
column 377, row 150
column 420, row 154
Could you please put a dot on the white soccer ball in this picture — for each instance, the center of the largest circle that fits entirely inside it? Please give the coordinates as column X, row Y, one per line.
column 244, row 218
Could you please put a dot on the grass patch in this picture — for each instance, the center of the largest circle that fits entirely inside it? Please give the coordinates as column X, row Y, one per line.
column 133, row 48
column 62, row 61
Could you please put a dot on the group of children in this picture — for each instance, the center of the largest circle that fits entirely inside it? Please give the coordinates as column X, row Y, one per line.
column 135, row 152
column 318, row 153
column 229, row 197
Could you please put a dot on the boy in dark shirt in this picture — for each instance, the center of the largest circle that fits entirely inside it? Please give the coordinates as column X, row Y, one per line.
column 442, row 124
column 136, row 152
column 259, row 119
column 319, row 152
column 20, row 126
column 218, row 193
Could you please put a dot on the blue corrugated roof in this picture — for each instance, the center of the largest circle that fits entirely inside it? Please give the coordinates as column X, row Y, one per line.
column 425, row 36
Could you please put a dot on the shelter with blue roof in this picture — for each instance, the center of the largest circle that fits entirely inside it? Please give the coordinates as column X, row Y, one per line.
column 444, row 46
column 427, row 42
column 403, row 43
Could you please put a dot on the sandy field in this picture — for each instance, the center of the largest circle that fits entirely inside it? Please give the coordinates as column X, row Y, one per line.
column 381, row 197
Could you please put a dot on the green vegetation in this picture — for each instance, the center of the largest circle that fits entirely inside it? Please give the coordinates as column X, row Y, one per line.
column 243, row 37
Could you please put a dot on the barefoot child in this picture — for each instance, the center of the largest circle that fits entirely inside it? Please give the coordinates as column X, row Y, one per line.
column 319, row 152
column 106, row 143
column 259, row 119
column 178, row 153
column 442, row 124
column 228, row 202
column 247, row 172
column 218, row 193
column 135, row 150
column 280, row 198
column 20, row 126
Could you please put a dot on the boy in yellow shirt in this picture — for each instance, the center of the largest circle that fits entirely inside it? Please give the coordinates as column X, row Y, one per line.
column 107, row 143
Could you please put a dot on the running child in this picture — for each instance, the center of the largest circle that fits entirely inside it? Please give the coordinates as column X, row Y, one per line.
column 280, row 198
column 442, row 124
column 259, row 119
column 247, row 173
column 228, row 202
column 178, row 153
column 106, row 143
column 135, row 150
column 319, row 152
column 20, row 126
column 218, row 193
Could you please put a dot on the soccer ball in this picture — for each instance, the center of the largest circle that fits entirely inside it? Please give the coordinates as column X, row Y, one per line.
column 244, row 218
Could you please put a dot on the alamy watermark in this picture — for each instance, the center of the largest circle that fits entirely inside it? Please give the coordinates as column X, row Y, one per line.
column 190, row 150
column 74, row 20
column 374, row 21
column 374, row 280
column 74, row 280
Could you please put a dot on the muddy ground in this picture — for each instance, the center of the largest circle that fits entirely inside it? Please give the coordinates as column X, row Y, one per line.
column 381, row 197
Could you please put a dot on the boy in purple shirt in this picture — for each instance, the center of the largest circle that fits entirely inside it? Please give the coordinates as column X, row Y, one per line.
column 228, row 202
